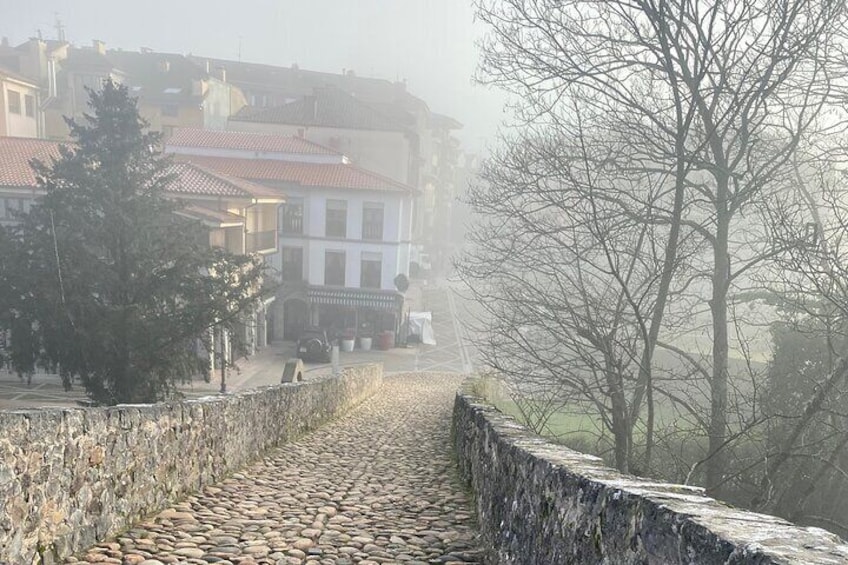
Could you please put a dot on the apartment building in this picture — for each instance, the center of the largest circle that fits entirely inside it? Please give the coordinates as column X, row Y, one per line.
column 237, row 215
column 20, row 115
column 344, row 232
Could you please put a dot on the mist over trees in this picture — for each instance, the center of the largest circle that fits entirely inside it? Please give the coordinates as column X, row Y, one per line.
column 103, row 282
column 672, row 189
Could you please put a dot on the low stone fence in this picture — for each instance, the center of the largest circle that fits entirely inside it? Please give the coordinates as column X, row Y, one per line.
column 72, row 477
column 539, row 503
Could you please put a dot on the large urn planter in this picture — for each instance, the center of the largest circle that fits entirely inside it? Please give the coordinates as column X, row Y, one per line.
column 347, row 344
column 365, row 343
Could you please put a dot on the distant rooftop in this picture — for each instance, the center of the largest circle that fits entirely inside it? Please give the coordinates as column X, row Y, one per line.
column 255, row 142
column 325, row 175
column 195, row 180
column 328, row 107
column 17, row 153
column 296, row 82
column 191, row 179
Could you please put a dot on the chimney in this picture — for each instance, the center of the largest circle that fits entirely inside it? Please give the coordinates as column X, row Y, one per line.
column 99, row 46
column 221, row 74
column 164, row 66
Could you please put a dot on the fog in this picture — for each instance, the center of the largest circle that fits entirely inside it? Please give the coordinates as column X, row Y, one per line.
column 430, row 43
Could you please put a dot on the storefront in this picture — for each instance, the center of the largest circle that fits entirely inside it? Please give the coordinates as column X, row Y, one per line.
column 365, row 313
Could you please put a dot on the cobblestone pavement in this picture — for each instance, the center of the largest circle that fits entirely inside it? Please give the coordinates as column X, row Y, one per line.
column 377, row 486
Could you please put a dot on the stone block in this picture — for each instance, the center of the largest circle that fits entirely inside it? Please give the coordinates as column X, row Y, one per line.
column 541, row 503
column 292, row 371
column 69, row 478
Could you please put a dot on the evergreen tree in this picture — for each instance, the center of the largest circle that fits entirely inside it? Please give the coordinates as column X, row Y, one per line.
column 106, row 283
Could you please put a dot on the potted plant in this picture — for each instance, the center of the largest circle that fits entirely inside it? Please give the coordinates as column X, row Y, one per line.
column 348, row 340
column 365, row 343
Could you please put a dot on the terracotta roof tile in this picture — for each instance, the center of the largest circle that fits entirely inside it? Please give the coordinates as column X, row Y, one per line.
column 328, row 175
column 196, row 180
column 258, row 142
column 15, row 156
column 221, row 217
column 16, row 153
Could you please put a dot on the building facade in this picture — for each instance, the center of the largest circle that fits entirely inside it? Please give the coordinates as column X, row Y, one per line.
column 235, row 214
column 344, row 232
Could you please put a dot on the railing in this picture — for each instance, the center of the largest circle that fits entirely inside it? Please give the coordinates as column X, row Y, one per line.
column 372, row 231
column 261, row 241
column 292, row 224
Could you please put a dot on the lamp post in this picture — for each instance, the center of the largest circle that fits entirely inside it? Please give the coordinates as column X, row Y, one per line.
column 223, row 343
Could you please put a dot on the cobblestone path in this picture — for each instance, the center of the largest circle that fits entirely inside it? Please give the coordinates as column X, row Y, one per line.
column 377, row 486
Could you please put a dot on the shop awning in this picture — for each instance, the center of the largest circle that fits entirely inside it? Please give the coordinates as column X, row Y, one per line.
column 389, row 301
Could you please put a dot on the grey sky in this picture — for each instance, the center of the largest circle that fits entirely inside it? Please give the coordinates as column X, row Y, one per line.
column 431, row 43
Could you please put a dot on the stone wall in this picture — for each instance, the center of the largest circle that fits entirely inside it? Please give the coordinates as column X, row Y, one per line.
column 70, row 478
column 539, row 503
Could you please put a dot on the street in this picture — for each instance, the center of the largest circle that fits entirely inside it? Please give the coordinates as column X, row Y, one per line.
column 451, row 353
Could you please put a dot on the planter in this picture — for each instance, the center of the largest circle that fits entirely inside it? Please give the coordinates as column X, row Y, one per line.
column 347, row 345
column 386, row 341
column 365, row 343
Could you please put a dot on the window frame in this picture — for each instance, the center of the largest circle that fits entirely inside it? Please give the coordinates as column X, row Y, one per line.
column 369, row 232
column 291, row 210
column 14, row 96
column 29, row 105
column 287, row 275
column 337, row 220
column 375, row 277
column 327, row 268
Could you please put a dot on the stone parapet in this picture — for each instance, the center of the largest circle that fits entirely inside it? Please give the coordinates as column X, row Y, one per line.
column 539, row 503
column 72, row 477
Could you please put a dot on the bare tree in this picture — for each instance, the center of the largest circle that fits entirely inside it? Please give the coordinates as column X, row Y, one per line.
column 697, row 108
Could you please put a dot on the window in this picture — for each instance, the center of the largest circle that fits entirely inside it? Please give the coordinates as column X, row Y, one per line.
column 336, row 218
column 170, row 110
column 334, row 268
column 14, row 102
column 29, row 105
column 10, row 207
column 372, row 221
column 292, row 264
column 371, row 270
column 293, row 216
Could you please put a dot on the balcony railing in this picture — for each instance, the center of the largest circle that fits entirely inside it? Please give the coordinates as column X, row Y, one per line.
column 292, row 224
column 261, row 241
column 372, row 231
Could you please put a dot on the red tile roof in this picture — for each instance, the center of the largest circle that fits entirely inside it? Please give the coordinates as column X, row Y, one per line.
column 195, row 180
column 258, row 142
column 217, row 217
column 16, row 153
column 327, row 175
column 15, row 156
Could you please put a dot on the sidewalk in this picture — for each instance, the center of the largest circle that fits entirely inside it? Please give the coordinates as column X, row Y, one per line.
column 264, row 368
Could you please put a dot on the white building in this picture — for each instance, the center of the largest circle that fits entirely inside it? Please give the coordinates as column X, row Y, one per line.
column 344, row 232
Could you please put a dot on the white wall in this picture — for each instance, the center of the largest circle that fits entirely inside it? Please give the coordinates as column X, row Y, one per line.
column 394, row 247
column 19, row 125
column 384, row 152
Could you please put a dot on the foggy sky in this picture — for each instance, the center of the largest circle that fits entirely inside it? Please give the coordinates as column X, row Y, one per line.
column 431, row 43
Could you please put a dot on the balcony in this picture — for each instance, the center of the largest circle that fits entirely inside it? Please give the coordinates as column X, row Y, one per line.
column 261, row 241
column 292, row 225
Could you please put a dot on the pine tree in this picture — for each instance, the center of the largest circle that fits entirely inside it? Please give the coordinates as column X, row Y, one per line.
column 108, row 284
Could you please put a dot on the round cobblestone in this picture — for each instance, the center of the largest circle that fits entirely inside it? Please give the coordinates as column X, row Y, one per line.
column 377, row 486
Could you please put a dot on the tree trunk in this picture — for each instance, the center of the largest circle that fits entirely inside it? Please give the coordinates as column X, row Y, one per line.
column 717, row 458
